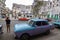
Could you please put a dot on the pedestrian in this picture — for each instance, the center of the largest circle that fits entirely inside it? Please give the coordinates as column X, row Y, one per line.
column 8, row 24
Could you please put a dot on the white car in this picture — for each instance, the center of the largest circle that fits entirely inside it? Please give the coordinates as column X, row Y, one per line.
column 1, row 29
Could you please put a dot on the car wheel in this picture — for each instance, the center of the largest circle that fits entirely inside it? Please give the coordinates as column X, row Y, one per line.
column 47, row 32
column 25, row 37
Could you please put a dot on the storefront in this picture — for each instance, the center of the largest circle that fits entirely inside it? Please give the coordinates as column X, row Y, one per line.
column 55, row 16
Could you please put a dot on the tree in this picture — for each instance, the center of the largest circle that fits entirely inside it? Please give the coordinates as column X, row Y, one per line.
column 37, row 7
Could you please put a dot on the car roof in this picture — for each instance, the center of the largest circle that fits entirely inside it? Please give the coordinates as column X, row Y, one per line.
column 38, row 19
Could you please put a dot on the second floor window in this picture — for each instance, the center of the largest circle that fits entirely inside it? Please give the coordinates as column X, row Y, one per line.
column 57, row 4
column 57, row 0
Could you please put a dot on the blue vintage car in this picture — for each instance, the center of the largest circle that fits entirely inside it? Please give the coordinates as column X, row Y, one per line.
column 57, row 23
column 35, row 26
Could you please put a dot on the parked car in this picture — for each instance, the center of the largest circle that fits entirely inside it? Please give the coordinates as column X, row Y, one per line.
column 34, row 27
column 23, row 19
column 57, row 23
column 1, row 31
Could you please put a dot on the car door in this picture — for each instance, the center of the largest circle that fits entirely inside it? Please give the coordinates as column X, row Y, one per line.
column 38, row 27
column 45, row 26
column 41, row 27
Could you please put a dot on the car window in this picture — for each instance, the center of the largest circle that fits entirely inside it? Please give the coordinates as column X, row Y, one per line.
column 38, row 23
column 45, row 23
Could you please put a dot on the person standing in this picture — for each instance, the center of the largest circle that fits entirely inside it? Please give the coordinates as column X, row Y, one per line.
column 8, row 24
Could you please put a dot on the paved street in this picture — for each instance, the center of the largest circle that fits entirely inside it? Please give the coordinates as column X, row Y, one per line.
column 54, row 35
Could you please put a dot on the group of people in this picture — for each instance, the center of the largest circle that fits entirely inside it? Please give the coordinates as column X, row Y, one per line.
column 7, row 20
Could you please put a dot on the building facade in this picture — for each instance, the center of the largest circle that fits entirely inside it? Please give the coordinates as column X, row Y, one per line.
column 54, row 9
column 2, row 6
column 22, row 10
column 51, row 9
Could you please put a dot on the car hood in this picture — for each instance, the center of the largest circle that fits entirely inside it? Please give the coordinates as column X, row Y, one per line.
column 22, row 27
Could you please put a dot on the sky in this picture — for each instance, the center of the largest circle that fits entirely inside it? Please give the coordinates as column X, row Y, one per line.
column 9, row 3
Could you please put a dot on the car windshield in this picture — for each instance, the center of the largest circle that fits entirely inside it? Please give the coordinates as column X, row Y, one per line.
column 30, row 22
